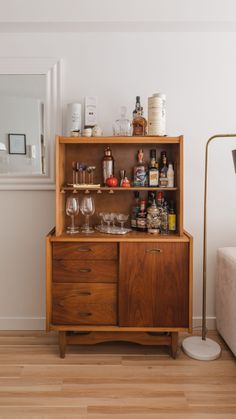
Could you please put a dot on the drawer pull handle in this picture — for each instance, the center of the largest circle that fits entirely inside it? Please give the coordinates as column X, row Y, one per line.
column 154, row 251
column 85, row 314
column 85, row 293
column 84, row 249
column 85, row 270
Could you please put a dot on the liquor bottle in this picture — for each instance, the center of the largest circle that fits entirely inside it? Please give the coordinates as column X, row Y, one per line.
column 140, row 171
column 170, row 175
column 142, row 217
column 107, row 165
column 153, row 219
column 163, row 173
column 139, row 122
column 135, row 210
column 137, row 106
column 172, row 218
column 164, row 219
column 153, row 172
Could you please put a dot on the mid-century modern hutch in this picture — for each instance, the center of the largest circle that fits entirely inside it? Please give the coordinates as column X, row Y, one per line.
column 134, row 287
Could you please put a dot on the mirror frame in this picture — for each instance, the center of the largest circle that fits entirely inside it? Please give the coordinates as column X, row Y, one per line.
column 52, row 69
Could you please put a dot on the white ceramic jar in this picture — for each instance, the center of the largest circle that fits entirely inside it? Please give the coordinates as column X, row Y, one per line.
column 157, row 114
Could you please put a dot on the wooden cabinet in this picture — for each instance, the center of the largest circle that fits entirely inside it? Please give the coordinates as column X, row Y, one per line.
column 134, row 287
column 153, row 285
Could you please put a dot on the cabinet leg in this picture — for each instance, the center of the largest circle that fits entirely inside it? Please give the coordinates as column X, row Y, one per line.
column 62, row 344
column 174, row 344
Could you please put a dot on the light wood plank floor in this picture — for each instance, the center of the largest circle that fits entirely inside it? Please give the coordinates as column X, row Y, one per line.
column 110, row 381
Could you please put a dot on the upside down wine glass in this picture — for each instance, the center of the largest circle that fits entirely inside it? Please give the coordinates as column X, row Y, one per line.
column 72, row 209
column 87, row 208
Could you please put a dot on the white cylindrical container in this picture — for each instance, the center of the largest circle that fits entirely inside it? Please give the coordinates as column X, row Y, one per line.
column 157, row 114
column 73, row 117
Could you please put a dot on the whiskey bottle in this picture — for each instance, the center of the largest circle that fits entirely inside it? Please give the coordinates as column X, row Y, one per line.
column 142, row 217
column 140, row 171
column 153, row 172
column 163, row 173
column 135, row 210
column 107, row 165
column 139, row 122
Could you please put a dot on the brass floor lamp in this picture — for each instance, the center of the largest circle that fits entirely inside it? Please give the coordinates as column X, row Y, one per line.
column 201, row 347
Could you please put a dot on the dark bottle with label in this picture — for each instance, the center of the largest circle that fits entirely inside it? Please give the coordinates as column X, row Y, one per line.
column 142, row 217
column 107, row 165
column 163, row 182
column 153, row 172
column 135, row 211
column 139, row 124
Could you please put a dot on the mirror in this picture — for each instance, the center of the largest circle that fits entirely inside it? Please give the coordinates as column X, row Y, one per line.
column 30, row 117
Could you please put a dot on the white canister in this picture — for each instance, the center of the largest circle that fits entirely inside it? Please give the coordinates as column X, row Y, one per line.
column 157, row 114
column 73, row 117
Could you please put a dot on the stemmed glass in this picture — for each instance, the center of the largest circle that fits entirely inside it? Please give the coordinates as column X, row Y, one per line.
column 87, row 208
column 72, row 209
column 107, row 218
column 122, row 218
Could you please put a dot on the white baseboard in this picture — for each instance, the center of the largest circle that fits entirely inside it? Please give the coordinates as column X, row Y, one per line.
column 38, row 323
column 22, row 323
column 210, row 323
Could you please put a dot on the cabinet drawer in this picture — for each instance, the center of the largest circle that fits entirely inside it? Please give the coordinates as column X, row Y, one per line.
column 84, row 304
column 65, row 270
column 85, row 251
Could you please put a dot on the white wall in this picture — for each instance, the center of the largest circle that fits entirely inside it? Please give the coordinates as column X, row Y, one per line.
column 197, row 72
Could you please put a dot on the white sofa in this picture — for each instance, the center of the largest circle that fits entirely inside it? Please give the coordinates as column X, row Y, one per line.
column 226, row 296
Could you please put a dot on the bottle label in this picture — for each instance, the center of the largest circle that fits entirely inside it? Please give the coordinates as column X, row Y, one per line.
column 163, row 182
column 141, row 223
column 140, row 176
column 172, row 222
column 153, row 178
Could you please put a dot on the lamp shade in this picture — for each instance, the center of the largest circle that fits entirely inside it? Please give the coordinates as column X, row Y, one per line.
column 234, row 159
column 2, row 147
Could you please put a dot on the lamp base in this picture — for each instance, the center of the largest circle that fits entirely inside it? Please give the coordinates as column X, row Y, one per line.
column 203, row 350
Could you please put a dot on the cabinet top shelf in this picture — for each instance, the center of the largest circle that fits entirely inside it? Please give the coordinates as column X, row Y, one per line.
column 120, row 140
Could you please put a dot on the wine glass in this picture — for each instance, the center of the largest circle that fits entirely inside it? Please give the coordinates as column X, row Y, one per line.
column 87, row 208
column 107, row 219
column 72, row 209
column 122, row 218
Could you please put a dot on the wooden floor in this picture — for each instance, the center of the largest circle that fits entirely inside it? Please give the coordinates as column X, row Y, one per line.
column 110, row 381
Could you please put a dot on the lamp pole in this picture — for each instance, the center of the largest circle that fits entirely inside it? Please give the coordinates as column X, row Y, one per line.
column 194, row 346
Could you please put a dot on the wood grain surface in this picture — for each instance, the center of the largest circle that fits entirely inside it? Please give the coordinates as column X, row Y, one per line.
column 111, row 381
column 65, row 270
column 153, row 286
